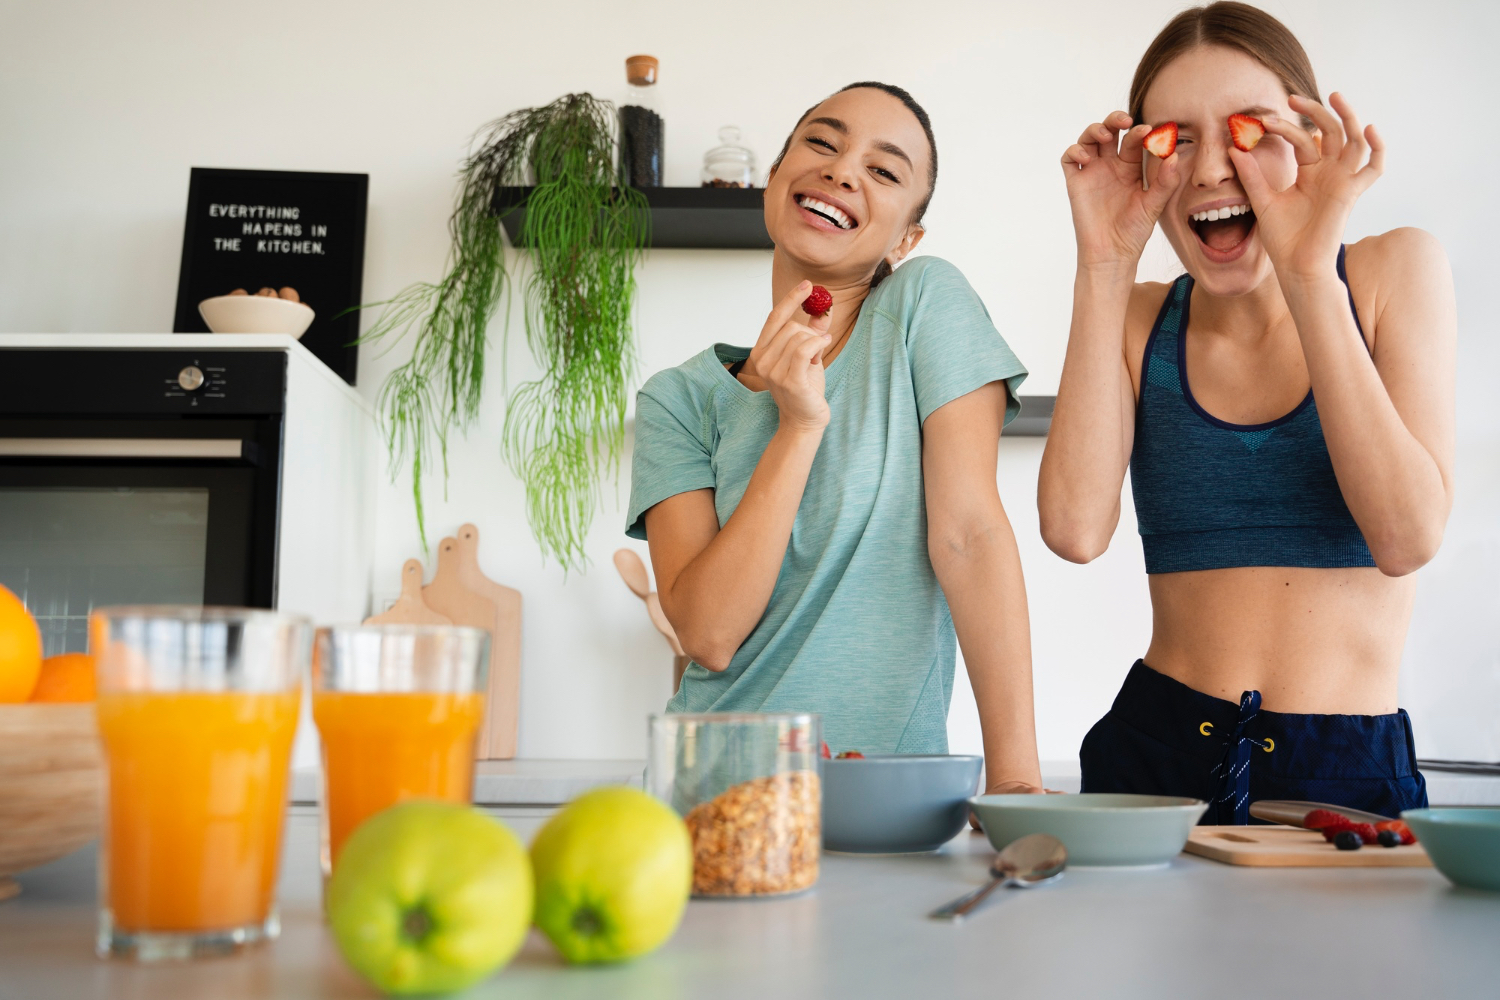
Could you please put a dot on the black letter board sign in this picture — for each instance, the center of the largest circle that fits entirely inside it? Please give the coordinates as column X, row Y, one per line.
column 254, row 229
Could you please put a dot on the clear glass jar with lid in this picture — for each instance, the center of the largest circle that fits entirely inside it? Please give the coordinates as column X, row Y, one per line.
column 747, row 784
column 729, row 165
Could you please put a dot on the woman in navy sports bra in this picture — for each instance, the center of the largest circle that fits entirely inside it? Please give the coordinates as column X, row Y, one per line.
column 1286, row 412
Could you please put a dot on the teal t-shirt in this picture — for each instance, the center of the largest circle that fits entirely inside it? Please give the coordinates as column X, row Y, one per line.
column 857, row 628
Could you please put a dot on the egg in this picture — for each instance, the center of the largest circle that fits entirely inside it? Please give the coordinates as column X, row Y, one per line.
column 239, row 291
column 290, row 294
column 269, row 293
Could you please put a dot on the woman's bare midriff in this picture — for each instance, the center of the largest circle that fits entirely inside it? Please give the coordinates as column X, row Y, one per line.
column 1315, row 641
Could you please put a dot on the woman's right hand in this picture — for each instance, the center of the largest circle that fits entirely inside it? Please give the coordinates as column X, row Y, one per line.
column 1112, row 216
column 788, row 357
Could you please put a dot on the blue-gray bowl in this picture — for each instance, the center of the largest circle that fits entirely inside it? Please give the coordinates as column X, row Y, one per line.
column 896, row 803
column 1464, row 844
column 1096, row 828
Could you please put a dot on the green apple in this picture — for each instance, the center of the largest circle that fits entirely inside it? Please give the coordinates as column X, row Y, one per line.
column 613, row 873
column 429, row 897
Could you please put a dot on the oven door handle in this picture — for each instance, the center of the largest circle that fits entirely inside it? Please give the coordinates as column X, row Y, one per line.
column 211, row 448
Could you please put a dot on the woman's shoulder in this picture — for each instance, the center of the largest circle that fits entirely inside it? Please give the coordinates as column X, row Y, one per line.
column 1406, row 265
column 921, row 273
column 924, row 282
column 1394, row 257
column 695, row 378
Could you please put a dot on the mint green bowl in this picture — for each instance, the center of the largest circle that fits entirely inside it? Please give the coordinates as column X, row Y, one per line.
column 1096, row 828
column 1464, row 844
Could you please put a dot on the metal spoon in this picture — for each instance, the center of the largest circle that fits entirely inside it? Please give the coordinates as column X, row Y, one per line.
column 1033, row 860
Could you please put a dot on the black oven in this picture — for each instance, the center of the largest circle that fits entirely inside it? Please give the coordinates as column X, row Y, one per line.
column 138, row 476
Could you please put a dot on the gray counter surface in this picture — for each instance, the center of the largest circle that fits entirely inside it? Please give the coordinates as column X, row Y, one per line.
column 1196, row 928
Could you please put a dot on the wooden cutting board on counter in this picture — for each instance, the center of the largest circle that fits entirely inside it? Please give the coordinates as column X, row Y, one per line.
column 1294, row 847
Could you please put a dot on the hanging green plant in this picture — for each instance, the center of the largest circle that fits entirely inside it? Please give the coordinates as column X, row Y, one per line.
column 585, row 238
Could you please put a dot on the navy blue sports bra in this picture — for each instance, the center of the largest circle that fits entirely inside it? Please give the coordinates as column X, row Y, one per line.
column 1210, row 494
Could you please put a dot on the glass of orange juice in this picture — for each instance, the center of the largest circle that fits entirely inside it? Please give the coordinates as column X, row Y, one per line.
column 197, row 708
column 398, row 709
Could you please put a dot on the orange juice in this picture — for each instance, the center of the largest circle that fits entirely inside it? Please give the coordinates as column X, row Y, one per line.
column 382, row 748
column 197, row 795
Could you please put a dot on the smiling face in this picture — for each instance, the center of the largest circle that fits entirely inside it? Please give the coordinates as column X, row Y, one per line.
column 1209, row 221
column 846, row 193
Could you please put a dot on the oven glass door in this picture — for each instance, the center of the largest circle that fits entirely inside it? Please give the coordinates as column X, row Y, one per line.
column 78, row 536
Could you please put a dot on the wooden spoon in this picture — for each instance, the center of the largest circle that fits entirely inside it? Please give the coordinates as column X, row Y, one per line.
column 633, row 572
column 659, row 619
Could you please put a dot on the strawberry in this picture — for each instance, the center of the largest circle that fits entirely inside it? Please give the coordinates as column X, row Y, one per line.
column 1407, row 837
column 1366, row 832
column 850, row 755
column 1332, row 830
column 823, row 750
column 818, row 303
column 1319, row 818
column 1162, row 140
column 1245, row 131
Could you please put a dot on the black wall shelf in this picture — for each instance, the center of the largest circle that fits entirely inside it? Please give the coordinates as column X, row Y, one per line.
column 681, row 218
column 1034, row 420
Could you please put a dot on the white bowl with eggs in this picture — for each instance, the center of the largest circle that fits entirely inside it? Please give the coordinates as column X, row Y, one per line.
column 242, row 313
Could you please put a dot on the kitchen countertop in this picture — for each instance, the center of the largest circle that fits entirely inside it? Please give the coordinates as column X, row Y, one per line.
column 1193, row 928
column 550, row 783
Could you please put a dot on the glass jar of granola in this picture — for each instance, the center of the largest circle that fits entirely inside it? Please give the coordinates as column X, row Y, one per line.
column 748, row 787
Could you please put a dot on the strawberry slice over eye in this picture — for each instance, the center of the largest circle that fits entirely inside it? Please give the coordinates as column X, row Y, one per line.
column 1245, row 131
column 1162, row 140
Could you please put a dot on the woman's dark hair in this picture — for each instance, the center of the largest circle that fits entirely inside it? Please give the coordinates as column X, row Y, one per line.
column 1233, row 25
column 883, row 271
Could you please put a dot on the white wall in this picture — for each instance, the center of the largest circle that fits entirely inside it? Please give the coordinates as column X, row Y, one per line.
column 104, row 107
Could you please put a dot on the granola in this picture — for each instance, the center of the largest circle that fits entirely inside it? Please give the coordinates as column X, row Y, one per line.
column 759, row 837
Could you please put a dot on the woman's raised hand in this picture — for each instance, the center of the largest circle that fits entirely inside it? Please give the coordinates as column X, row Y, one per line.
column 1303, row 226
column 1112, row 215
column 788, row 357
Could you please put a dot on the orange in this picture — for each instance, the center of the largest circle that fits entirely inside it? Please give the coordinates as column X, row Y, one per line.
column 69, row 677
column 20, row 649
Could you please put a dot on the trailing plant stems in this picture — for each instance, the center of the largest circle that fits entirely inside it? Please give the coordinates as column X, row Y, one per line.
column 586, row 240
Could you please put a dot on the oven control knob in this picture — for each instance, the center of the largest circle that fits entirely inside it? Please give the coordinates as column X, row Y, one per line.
column 190, row 377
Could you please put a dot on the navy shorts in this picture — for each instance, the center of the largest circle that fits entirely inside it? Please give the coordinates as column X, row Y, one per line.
column 1163, row 738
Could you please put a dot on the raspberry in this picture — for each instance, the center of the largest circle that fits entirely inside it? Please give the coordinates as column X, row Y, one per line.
column 1319, row 818
column 818, row 303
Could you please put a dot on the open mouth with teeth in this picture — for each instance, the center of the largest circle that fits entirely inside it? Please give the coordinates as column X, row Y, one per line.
column 825, row 211
column 1223, row 229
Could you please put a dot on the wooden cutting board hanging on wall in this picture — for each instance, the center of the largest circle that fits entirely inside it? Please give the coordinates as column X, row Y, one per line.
column 409, row 608
column 502, row 714
column 447, row 595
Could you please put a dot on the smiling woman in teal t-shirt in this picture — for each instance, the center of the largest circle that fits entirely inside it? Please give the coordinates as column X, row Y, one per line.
column 822, row 509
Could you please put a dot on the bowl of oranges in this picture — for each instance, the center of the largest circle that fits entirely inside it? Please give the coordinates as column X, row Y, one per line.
column 51, row 771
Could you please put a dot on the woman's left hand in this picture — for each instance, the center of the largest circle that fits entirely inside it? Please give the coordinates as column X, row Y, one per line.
column 1303, row 225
